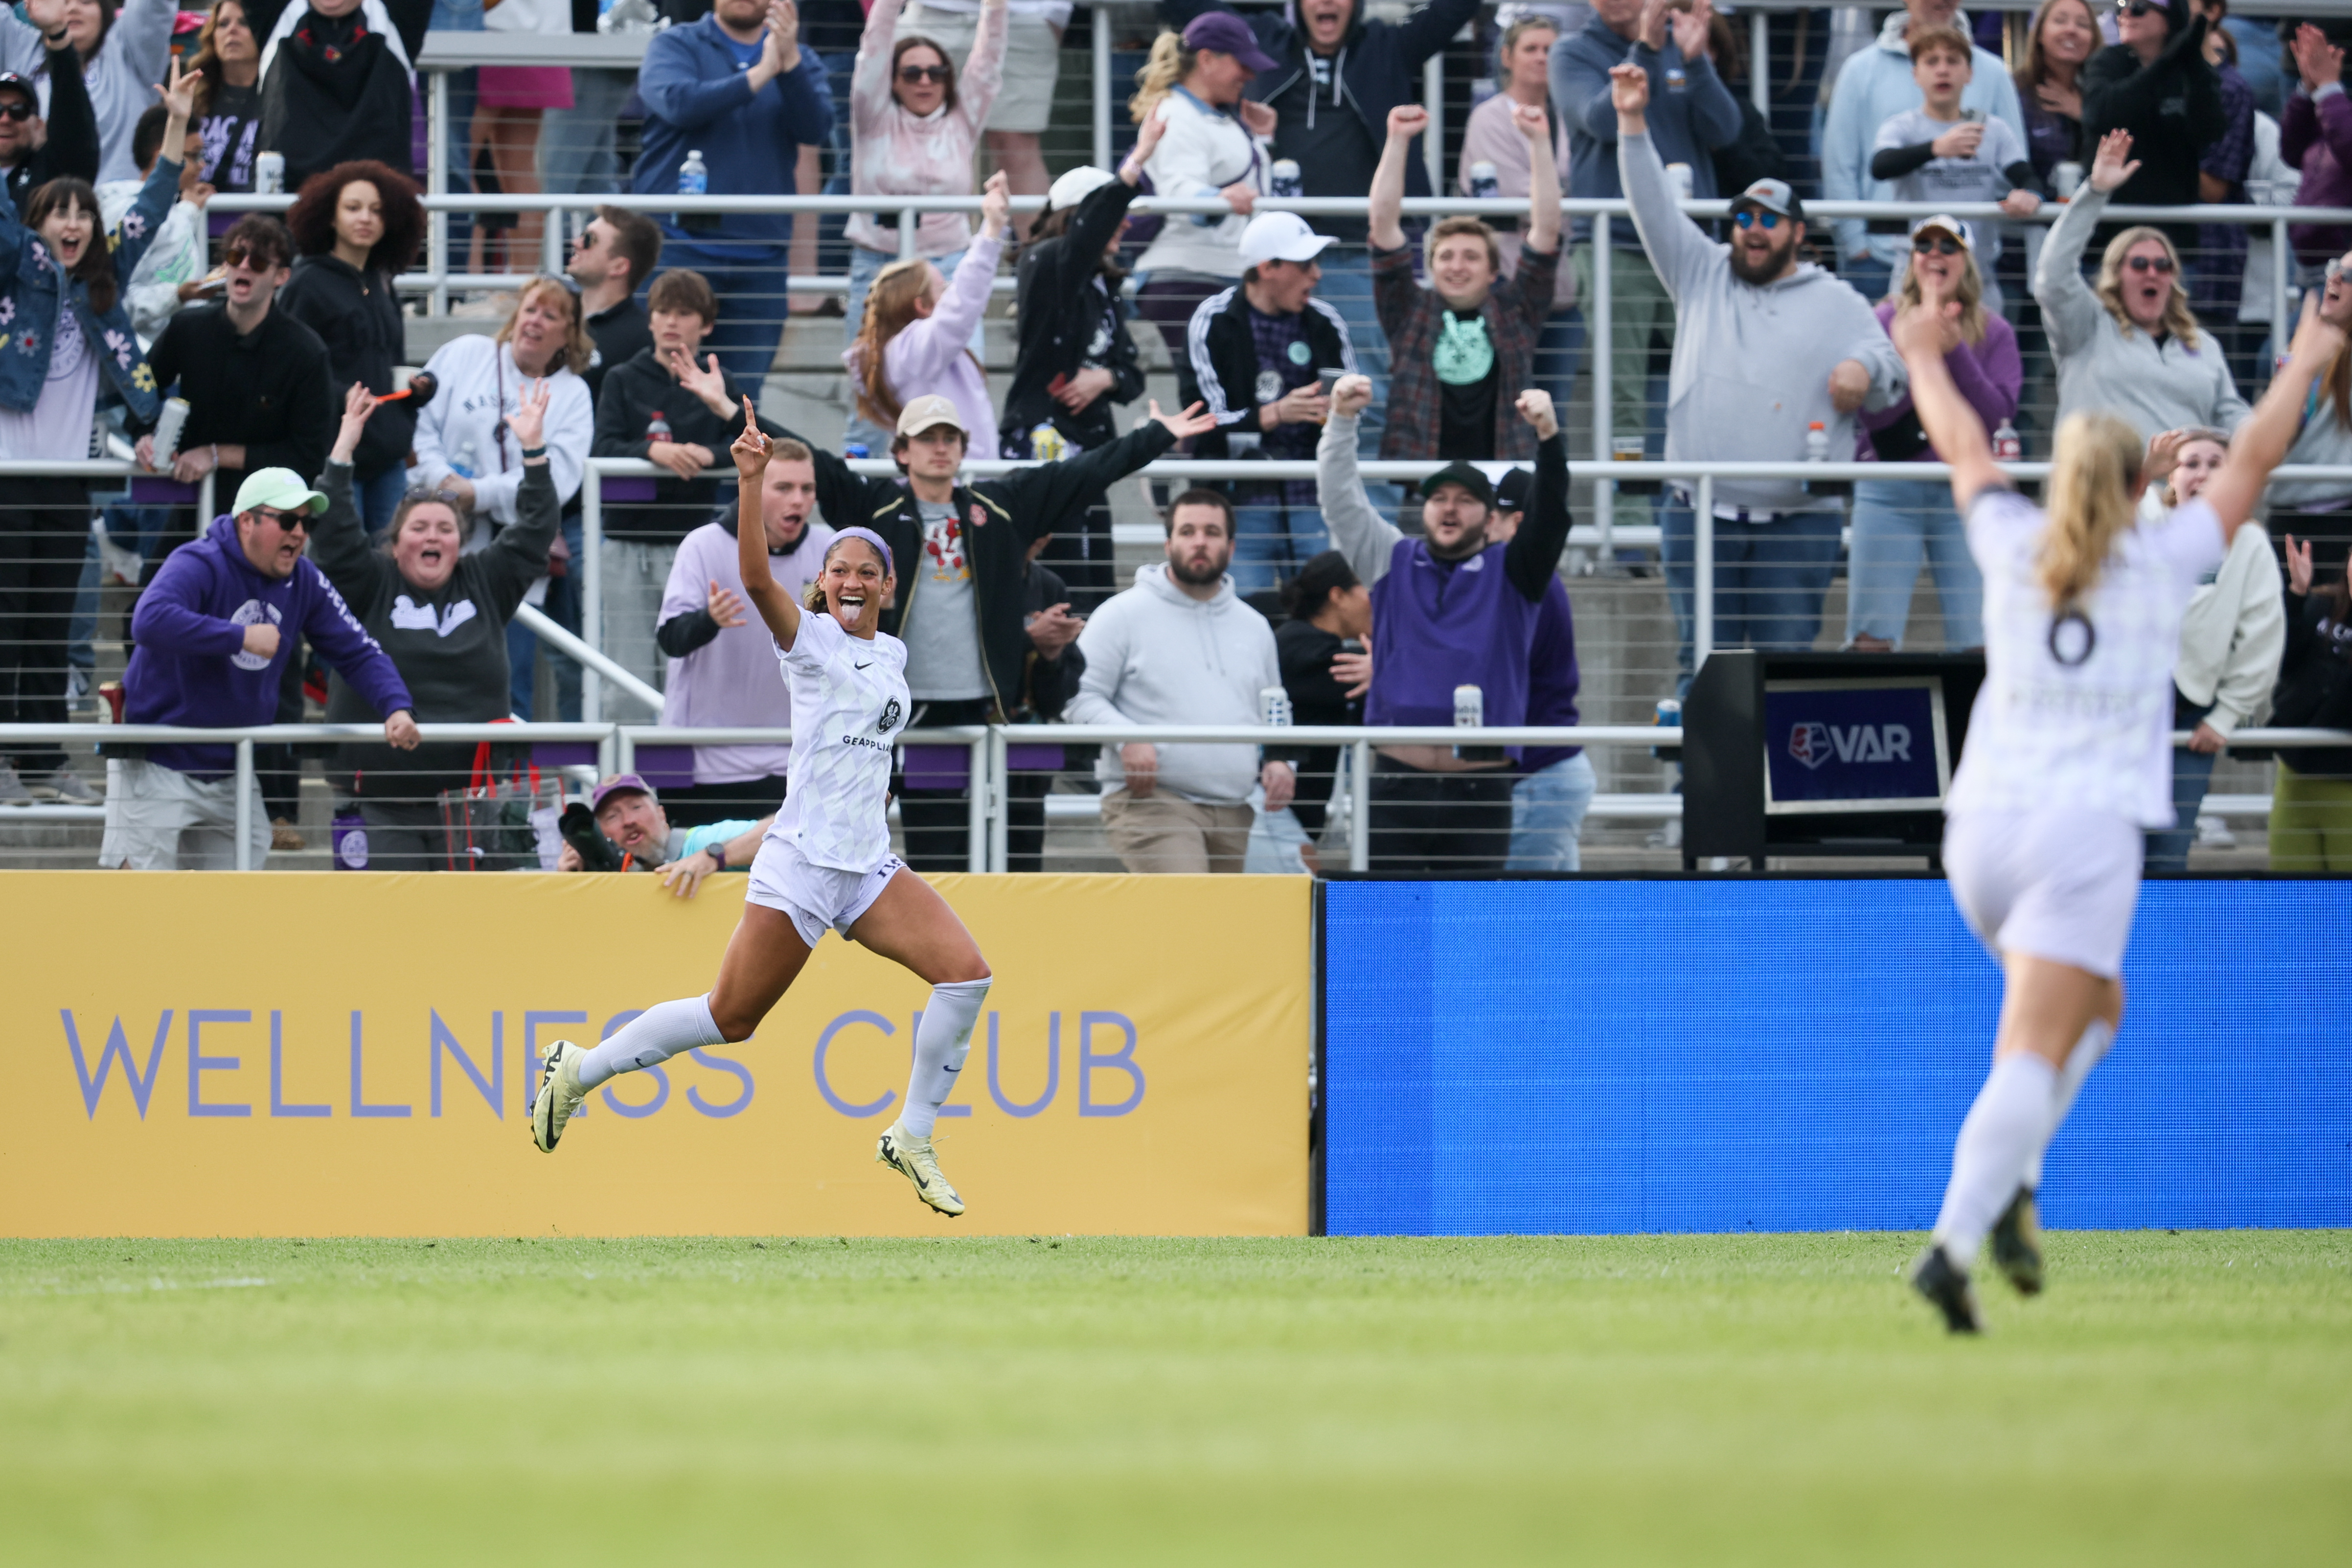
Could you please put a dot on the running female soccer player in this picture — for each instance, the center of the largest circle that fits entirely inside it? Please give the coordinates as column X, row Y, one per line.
column 2068, row 757
column 826, row 862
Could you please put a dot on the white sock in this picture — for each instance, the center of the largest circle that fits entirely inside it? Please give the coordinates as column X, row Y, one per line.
column 652, row 1036
column 940, row 1043
column 2008, row 1122
column 2087, row 1054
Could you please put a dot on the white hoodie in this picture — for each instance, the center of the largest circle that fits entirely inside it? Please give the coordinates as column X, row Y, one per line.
column 1157, row 656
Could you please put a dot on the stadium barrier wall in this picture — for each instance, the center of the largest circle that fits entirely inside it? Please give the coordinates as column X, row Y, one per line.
column 1796, row 1054
column 295, row 1055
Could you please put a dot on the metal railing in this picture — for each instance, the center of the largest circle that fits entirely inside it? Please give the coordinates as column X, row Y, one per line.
column 987, row 749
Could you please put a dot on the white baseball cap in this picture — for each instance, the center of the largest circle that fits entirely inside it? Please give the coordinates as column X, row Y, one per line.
column 1280, row 236
column 1076, row 185
column 1944, row 223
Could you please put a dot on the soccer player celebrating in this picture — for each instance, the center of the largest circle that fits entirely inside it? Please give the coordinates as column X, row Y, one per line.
column 826, row 862
column 2068, row 754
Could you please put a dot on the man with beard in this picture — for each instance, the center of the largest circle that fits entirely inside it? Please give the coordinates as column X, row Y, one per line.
column 722, row 663
column 1182, row 647
column 1767, row 348
column 1457, row 607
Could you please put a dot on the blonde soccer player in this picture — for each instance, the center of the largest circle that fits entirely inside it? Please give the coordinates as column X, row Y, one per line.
column 826, row 862
column 2068, row 758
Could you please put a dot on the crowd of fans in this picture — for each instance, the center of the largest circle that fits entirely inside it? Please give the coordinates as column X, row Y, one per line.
column 378, row 532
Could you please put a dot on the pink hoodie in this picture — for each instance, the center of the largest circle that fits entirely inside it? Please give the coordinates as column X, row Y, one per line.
column 895, row 153
column 932, row 354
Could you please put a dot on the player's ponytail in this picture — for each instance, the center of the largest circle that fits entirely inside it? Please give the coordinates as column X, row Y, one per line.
column 2090, row 502
column 813, row 596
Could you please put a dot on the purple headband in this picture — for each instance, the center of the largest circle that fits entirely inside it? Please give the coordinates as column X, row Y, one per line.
column 870, row 537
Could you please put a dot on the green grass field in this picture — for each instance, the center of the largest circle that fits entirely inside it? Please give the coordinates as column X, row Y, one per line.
column 2177, row 1398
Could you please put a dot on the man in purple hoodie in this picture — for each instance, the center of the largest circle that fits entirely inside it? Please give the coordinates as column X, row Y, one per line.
column 213, row 631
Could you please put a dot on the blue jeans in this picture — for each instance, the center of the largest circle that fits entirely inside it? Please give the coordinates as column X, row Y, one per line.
column 581, row 157
column 750, row 280
column 1548, row 811
column 1769, row 578
column 1896, row 523
column 2192, row 775
column 1347, row 286
column 379, row 496
column 563, row 607
column 1272, row 542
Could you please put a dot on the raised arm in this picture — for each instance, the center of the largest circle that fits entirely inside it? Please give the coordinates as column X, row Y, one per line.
column 1951, row 424
column 2260, row 443
column 1357, row 531
column 1406, row 122
column 1532, row 557
column 337, row 540
column 1042, row 496
column 518, row 554
column 1676, row 247
column 1543, row 178
column 2069, row 308
column 777, row 608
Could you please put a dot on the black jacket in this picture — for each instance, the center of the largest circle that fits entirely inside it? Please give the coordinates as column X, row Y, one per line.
column 1304, row 651
column 1220, row 366
column 1379, row 67
column 72, row 145
column 336, row 91
column 2172, row 108
column 633, row 390
column 357, row 316
column 1058, row 312
column 620, row 334
column 1007, row 516
column 267, row 389
column 2314, row 684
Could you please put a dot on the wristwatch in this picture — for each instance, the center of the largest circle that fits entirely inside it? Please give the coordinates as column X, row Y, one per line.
column 717, row 850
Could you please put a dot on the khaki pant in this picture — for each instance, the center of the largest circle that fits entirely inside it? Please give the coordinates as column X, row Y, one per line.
column 1164, row 834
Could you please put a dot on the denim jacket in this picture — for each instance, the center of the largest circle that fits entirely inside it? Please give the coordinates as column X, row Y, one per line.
column 29, row 303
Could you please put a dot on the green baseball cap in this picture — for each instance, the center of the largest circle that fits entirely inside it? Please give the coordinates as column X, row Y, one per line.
column 281, row 490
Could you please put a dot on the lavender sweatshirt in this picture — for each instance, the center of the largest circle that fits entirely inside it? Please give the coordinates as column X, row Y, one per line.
column 732, row 680
column 933, row 355
column 1988, row 374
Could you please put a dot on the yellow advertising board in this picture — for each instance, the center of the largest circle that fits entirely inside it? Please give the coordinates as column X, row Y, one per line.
column 202, row 1054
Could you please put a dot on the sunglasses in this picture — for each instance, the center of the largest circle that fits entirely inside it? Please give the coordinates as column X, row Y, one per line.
column 288, row 522
column 2157, row 264
column 1748, row 217
column 16, row 109
column 2335, row 270
column 252, row 261
column 913, row 74
column 1937, row 245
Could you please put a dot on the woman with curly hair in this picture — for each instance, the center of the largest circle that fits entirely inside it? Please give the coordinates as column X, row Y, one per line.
column 356, row 226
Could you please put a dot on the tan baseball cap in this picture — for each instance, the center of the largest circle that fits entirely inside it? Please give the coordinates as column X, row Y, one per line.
column 928, row 413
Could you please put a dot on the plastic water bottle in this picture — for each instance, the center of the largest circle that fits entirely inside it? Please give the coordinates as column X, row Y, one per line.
column 657, row 429
column 1817, row 442
column 1283, row 179
column 694, row 180
column 1483, row 181
column 168, row 426
column 469, row 462
column 1274, row 707
column 2006, row 446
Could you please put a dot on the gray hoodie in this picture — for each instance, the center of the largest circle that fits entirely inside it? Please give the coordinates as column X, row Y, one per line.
column 2105, row 365
column 1157, row 656
column 1751, row 365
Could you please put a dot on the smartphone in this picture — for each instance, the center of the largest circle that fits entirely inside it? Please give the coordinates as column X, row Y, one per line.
column 1972, row 117
column 1326, row 379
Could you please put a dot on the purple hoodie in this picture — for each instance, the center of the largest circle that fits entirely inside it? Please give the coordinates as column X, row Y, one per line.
column 1988, row 375
column 2316, row 137
column 190, row 666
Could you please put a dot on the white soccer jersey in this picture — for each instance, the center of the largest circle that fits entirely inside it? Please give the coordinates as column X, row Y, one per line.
column 849, row 699
column 2076, row 708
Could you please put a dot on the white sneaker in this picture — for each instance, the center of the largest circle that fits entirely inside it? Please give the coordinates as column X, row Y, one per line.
column 117, row 565
column 559, row 1094
column 911, row 1157
column 12, row 788
column 2214, row 833
column 65, row 785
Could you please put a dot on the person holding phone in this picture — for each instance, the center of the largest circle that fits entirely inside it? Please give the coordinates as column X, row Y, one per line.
column 1263, row 356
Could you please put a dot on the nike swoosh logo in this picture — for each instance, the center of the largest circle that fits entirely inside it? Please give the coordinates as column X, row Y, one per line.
column 867, row 665
column 945, row 1068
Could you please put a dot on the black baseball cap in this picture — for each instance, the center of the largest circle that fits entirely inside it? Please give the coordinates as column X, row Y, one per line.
column 11, row 81
column 1511, row 492
column 1468, row 476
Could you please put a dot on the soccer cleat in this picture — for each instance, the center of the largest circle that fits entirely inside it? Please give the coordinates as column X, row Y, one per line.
column 559, row 1094
column 1938, row 1278
column 911, row 1157
column 2017, row 1243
